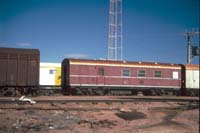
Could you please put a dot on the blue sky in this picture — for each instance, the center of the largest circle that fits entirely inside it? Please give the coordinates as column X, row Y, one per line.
column 152, row 29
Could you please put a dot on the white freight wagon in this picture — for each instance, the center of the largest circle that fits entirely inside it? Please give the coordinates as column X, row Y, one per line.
column 192, row 79
column 50, row 74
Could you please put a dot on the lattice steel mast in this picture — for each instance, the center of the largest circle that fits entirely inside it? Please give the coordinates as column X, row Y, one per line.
column 115, row 30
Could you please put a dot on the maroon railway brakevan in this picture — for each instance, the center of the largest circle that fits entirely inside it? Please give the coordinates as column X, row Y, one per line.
column 105, row 76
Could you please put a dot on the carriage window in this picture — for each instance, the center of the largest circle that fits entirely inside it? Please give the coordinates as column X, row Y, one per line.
column 51, row 71
column 141, row 73
column 175, row 75
column 101, row 71
column 157, row 74
column 126, row 72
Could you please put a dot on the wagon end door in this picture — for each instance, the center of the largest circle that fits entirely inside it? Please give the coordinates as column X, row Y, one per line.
column 100, row 77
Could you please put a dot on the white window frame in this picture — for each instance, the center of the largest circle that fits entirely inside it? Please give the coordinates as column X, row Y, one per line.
column 157, row 76
column 139, row 72
column 175, row 75
column 129, row 72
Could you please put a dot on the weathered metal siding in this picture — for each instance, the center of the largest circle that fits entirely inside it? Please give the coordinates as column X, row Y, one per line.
column 82, row 74
column 192, row 79
column 33, row 70
column 88, row 75
column 192, row 76
column 19, row 67
column 3, row 69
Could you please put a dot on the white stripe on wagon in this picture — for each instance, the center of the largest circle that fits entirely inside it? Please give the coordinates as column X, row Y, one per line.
column 124, row 77
column 125, row 65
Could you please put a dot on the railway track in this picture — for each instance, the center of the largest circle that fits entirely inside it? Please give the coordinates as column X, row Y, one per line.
column 100, row 99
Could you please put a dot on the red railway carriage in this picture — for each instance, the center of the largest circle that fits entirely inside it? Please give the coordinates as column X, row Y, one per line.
column 117, row 76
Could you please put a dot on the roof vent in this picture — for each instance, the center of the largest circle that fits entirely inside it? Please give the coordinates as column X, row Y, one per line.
column 140, row 62
column 124, row 61
column 102, row 59
column 156, row 62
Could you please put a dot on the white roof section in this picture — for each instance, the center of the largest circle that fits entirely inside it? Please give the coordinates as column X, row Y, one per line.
column 45, row 64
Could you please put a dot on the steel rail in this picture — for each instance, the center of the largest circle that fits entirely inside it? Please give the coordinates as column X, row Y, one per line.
column 122, row 100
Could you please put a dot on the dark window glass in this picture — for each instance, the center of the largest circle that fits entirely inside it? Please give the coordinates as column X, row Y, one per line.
column 51, row 71
column 141, row 73
column 126, row 72
column 101, row 71
column 157, row 74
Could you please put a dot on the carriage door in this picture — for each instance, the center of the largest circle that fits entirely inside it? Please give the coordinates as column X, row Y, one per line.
column 100, row 77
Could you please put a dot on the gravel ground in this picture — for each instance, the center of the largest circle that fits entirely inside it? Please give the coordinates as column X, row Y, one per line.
column 145, row 117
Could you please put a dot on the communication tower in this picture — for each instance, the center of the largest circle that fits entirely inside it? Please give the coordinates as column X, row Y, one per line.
column 115, row 30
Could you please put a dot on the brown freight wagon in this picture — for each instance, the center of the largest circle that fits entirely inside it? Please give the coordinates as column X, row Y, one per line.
column 19, row 70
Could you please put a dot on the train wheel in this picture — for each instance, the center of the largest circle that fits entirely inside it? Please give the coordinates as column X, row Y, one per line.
column 140, row 93
column 134, row 92
column 192, row 93
column 153, row 93
column 147, row 92
column 18, row 92
column 8, row 91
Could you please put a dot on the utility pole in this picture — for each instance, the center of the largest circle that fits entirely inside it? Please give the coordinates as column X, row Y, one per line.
column 189, row 34
column 115, row 30
column 188, row 48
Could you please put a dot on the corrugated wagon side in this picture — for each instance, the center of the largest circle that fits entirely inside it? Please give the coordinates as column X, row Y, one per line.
column 19, row 70
column 192, row 79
